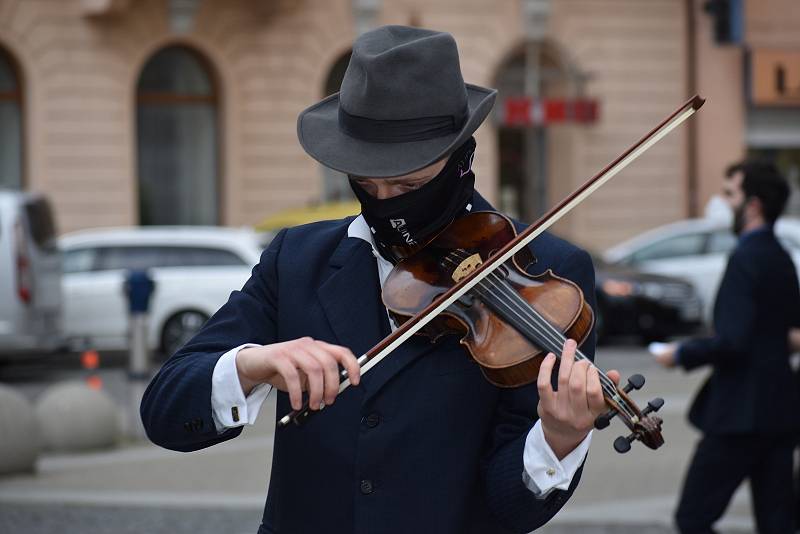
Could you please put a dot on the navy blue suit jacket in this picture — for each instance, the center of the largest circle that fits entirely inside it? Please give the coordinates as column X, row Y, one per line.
column 423, row 444
column 751, row 389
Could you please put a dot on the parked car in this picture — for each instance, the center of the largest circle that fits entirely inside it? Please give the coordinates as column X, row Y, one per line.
column 695, row 249
column 646, row 305
column 194, row 269
column 30, row 275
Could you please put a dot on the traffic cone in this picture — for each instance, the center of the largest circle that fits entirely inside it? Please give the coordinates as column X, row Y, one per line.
column 90, row 361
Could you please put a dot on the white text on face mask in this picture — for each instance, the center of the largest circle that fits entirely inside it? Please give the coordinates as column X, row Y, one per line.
column 400, row 226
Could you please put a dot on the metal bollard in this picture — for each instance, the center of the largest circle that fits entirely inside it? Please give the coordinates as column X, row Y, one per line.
column 139, row 287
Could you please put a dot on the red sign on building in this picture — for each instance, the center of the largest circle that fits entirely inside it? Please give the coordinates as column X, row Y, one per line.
column 526, row 111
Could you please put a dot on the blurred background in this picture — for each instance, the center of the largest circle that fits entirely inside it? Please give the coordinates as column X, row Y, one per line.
column 158, row 136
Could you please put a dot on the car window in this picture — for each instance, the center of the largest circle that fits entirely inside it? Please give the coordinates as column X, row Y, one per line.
column 150, row 257
column 672, row 247
column 200, row 257
column 125, row 258
column 721, row 242
column 40, row 219
column 80, row 260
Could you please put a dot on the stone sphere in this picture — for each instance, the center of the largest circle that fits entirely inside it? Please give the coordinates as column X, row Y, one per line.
column 73, row 416
column 20, row 443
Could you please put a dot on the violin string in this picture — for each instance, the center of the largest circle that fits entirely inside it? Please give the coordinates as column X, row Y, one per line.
column 606, row 383
column 550, row 334
column 556, row 338
column 607, row 387
column 549, row 331
column 553, row 333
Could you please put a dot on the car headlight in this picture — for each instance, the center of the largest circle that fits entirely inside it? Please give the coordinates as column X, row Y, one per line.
column 618, row 288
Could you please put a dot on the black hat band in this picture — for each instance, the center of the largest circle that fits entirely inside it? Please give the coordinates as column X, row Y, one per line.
column 399, row 130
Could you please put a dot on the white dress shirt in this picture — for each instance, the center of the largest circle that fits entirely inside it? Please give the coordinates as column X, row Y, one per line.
column 230, row 408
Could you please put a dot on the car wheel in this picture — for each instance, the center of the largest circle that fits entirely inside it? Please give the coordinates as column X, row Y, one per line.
column 179, row 329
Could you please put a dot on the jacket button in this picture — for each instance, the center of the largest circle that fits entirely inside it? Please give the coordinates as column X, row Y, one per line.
column 371, row 420
column 367, row 487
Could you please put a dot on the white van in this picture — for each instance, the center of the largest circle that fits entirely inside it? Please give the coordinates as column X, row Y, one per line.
column 30, row 275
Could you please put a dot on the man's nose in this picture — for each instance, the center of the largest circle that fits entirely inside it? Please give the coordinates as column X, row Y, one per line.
column 385, row 191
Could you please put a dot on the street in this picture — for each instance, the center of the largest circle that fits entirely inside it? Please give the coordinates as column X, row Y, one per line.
column 139, row 487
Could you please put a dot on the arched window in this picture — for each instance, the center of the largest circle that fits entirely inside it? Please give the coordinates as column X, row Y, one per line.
column 177, row 140
column 335, row 186
column 10, row 124
column 524, row 166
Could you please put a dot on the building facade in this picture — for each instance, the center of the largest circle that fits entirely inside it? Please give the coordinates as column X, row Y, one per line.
column 128, row 112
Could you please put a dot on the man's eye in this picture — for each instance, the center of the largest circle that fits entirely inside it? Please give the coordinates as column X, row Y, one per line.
column 366, row 186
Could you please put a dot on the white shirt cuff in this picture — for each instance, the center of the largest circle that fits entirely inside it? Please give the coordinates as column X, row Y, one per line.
column 229, row 407
column 543, row 471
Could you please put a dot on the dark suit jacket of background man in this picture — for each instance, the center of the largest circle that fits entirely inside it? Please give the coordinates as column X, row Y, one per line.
column 424, row 444
column 751, row 389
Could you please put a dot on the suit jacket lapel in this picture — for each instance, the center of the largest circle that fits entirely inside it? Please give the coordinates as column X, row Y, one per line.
column 350, row 296
column 351, row 300
column 389, row 367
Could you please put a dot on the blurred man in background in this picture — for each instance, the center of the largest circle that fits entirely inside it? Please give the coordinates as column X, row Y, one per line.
column 747, row 408
column 794, row 344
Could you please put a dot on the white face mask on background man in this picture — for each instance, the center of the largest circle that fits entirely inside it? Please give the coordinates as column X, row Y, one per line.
column 718, row 209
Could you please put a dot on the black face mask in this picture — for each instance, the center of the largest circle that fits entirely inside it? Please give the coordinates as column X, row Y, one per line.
column 407, row 219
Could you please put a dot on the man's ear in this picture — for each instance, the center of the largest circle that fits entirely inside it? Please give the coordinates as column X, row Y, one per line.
column 755, row 206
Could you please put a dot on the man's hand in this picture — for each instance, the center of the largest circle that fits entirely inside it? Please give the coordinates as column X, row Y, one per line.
column 568, row 414
column 295, row 366
column 794, row 339
column 664, row 354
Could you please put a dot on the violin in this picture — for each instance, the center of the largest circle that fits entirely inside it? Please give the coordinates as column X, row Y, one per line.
column 510, row 320
column 470, row 280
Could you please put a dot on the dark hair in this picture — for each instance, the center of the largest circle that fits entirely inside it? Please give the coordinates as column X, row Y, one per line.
column 763, row 181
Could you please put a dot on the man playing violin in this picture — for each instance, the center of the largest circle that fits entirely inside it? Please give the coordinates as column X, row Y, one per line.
column 422, row 442
column 747, row 408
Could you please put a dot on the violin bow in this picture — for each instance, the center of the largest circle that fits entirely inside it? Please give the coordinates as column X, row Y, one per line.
column 443, row 301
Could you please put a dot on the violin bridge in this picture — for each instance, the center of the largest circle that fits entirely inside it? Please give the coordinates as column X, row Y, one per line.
column 466, row 267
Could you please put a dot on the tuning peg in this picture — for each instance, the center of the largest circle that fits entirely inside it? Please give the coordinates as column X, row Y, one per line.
column 653, row 406
column 604, row 420
column 623, row 444
column 634, row 382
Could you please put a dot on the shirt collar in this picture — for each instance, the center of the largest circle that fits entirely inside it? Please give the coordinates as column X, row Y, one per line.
column 360, row 230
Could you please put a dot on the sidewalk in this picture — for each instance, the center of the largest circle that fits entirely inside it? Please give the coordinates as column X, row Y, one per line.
column 142, row 488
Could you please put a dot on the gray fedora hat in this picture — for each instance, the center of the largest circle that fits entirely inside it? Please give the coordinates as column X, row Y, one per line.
column 403, row 105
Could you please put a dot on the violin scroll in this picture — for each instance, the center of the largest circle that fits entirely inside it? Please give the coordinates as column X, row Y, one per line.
column 645, row 426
